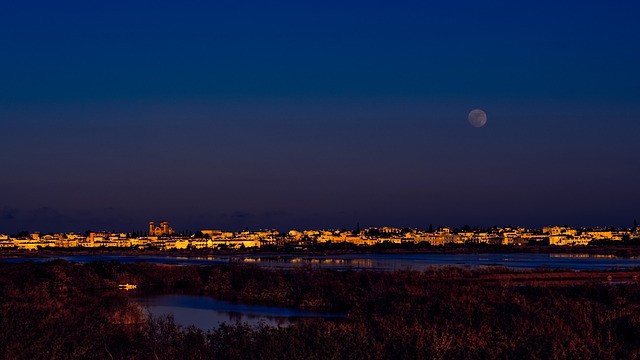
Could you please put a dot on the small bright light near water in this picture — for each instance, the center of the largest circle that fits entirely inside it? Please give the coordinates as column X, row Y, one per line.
column 208, row 314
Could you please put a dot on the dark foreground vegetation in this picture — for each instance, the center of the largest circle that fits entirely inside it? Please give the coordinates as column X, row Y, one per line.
column 61, row 310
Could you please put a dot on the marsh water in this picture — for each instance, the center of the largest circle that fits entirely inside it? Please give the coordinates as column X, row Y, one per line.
column 207, row 313
column 382, row 262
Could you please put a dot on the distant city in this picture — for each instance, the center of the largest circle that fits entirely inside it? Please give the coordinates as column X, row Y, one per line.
column 163, row 237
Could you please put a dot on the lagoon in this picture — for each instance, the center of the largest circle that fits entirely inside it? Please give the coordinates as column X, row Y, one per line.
column 208, row 314
column 380, row 262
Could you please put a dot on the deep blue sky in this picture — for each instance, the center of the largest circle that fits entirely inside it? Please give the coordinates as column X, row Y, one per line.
column 318, row 114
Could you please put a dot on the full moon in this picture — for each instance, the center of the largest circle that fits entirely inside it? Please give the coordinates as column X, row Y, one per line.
column 477, row 118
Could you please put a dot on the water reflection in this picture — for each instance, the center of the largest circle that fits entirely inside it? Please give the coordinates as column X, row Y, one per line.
column 385, row 262
column 583, row 256
column 207, row 313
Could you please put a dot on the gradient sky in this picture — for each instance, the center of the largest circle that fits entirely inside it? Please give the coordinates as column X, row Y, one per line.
column 234, row 114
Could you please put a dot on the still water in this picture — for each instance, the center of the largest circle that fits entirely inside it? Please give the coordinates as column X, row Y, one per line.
column 384, row 262
column 207, row 313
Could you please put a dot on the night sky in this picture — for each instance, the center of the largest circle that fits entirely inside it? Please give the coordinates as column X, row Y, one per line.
column 234, row 114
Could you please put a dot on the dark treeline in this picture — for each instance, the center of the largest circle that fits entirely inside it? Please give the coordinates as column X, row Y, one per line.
column 60, row 310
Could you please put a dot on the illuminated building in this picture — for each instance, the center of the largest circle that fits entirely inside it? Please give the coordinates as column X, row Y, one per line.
column 163, row 230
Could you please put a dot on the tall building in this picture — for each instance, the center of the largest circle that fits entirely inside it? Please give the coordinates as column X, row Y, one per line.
column 162, row 230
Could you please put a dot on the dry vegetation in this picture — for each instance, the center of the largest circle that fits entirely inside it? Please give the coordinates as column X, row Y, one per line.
column 60, row 310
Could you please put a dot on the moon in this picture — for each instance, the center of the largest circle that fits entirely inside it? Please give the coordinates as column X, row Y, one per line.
column 477, row 118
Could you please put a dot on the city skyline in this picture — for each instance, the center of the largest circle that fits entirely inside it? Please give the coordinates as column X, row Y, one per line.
column 165, row 228
column 162, row 236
